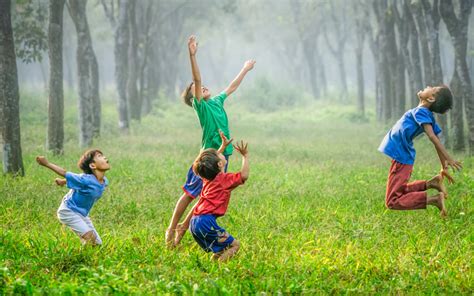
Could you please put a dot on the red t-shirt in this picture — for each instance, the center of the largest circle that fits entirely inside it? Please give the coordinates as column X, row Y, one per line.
column 215, row 194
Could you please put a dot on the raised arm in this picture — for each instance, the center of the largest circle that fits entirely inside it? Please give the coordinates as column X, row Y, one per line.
column 41, row 160
column 443, row 155
column 243, row 149
column 192, row 47
column 225, row 142
column 237, row 80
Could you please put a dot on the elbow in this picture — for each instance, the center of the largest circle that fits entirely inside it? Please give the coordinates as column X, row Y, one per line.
column 244, row 177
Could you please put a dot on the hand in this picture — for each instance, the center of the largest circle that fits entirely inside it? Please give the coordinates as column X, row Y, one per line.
column 225, row 141
column 41, row 160
column 453, row 163
column 445, row 174
column 249, row 65
column 60, row 182
column 192, row 45
column 242, row 148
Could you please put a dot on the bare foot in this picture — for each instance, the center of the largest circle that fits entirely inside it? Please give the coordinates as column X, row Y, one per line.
column 437, row 183
column 442, row 208
column 180, row 231
column 169, row 236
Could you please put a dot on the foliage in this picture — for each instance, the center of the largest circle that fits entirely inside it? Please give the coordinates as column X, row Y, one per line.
column 311, row 218
column 30, row 29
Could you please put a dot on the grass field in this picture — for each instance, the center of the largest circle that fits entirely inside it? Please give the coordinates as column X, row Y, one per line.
column 311, row 218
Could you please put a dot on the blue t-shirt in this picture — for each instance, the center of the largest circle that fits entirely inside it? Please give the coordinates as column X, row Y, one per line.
column 398, row 143
column 85, row 191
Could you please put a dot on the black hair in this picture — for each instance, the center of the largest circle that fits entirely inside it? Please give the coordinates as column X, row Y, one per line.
column 444, row 100
column 206, row 164
column 86, row 159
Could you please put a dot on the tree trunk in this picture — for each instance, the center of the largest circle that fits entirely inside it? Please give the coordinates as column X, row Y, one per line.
column 9, row 96
column 309, row 46
column 88, row 75
column 56, row 93
column 419, row 18
column 359, row 47
column 121, row 64
column 457, row 114
column 133, row 97
column 458, row 28
column 416, row 78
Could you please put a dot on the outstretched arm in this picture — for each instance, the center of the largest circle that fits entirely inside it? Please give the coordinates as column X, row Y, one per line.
column 443, row 155
column 243, row 149
column 192, row 47
column 225, row 142
column 41, row 160
column 237, row 80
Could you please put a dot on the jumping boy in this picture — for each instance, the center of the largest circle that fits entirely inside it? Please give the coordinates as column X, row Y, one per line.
column 398, row 145
column 85, row 190
column 212, row 118
column 214, row 200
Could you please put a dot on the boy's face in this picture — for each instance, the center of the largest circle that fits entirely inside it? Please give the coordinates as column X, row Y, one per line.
column 222, row 161
column 204, row 90
column 428, row 94
column 101, row 163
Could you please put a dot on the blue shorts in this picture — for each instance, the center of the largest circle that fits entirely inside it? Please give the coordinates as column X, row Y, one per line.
column 210, row 236
column 193, row 185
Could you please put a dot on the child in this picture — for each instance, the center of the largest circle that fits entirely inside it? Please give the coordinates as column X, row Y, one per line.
column 86, row 189
column 212, row 118
column 215, row 196
column 398, row 144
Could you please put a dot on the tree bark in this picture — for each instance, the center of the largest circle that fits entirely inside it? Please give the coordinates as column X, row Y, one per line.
column 88, row 75
column 458, row 28
column 121, row 64
column 419, row 19
column 56, row 92
column 133, row 98
column 9, row 96
column 414, row 65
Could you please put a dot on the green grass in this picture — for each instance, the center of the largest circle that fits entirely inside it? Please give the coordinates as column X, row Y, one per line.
column 311, row 218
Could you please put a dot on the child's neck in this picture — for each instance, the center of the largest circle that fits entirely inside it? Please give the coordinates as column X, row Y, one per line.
column 424, row 103
column 99, row 175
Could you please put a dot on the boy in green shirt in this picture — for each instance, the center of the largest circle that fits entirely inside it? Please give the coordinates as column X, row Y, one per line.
column 213, row 119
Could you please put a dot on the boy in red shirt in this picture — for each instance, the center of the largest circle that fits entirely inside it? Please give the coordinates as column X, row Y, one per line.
column 214, row 199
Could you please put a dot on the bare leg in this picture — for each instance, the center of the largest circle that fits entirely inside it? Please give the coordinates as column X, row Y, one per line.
column 216, row 256
column 438, row 201
column 181, row 206
column 229, row 252
column 437, row 183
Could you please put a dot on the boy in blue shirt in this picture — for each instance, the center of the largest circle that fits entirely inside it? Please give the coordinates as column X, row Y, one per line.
column 398, row 145
column 213, row 119
column 85, row 190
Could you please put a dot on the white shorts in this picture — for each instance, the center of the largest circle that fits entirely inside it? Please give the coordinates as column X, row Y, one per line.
column 78, row 223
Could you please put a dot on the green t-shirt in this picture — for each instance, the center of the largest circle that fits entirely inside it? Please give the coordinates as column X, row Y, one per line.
column 213, row 118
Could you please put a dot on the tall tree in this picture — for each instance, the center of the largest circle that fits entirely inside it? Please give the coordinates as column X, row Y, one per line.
column 121, row 45
column 88, row 75
column 433, row 19
column 132, row 90
column 9, row 96
column 458, row 29
column 337, row 18
column 420, row 22
column 414, row 66
column 403, row 59
column 361, row 19
column 56, row 94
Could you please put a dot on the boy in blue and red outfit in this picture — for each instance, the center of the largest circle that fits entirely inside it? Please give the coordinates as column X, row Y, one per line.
column 398, row 145
column 214, row 200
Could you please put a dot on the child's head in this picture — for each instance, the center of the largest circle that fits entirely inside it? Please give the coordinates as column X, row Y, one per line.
column 439, row 97
column 189, row 93
column 209, row 163
column 93, row 160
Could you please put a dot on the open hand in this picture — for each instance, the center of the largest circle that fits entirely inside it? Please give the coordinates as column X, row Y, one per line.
column 41, row 160
column 456, row 165
column 60, row 182
column 242, row 148
column 225, row 141
column 192, row 45
column 249, row 65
